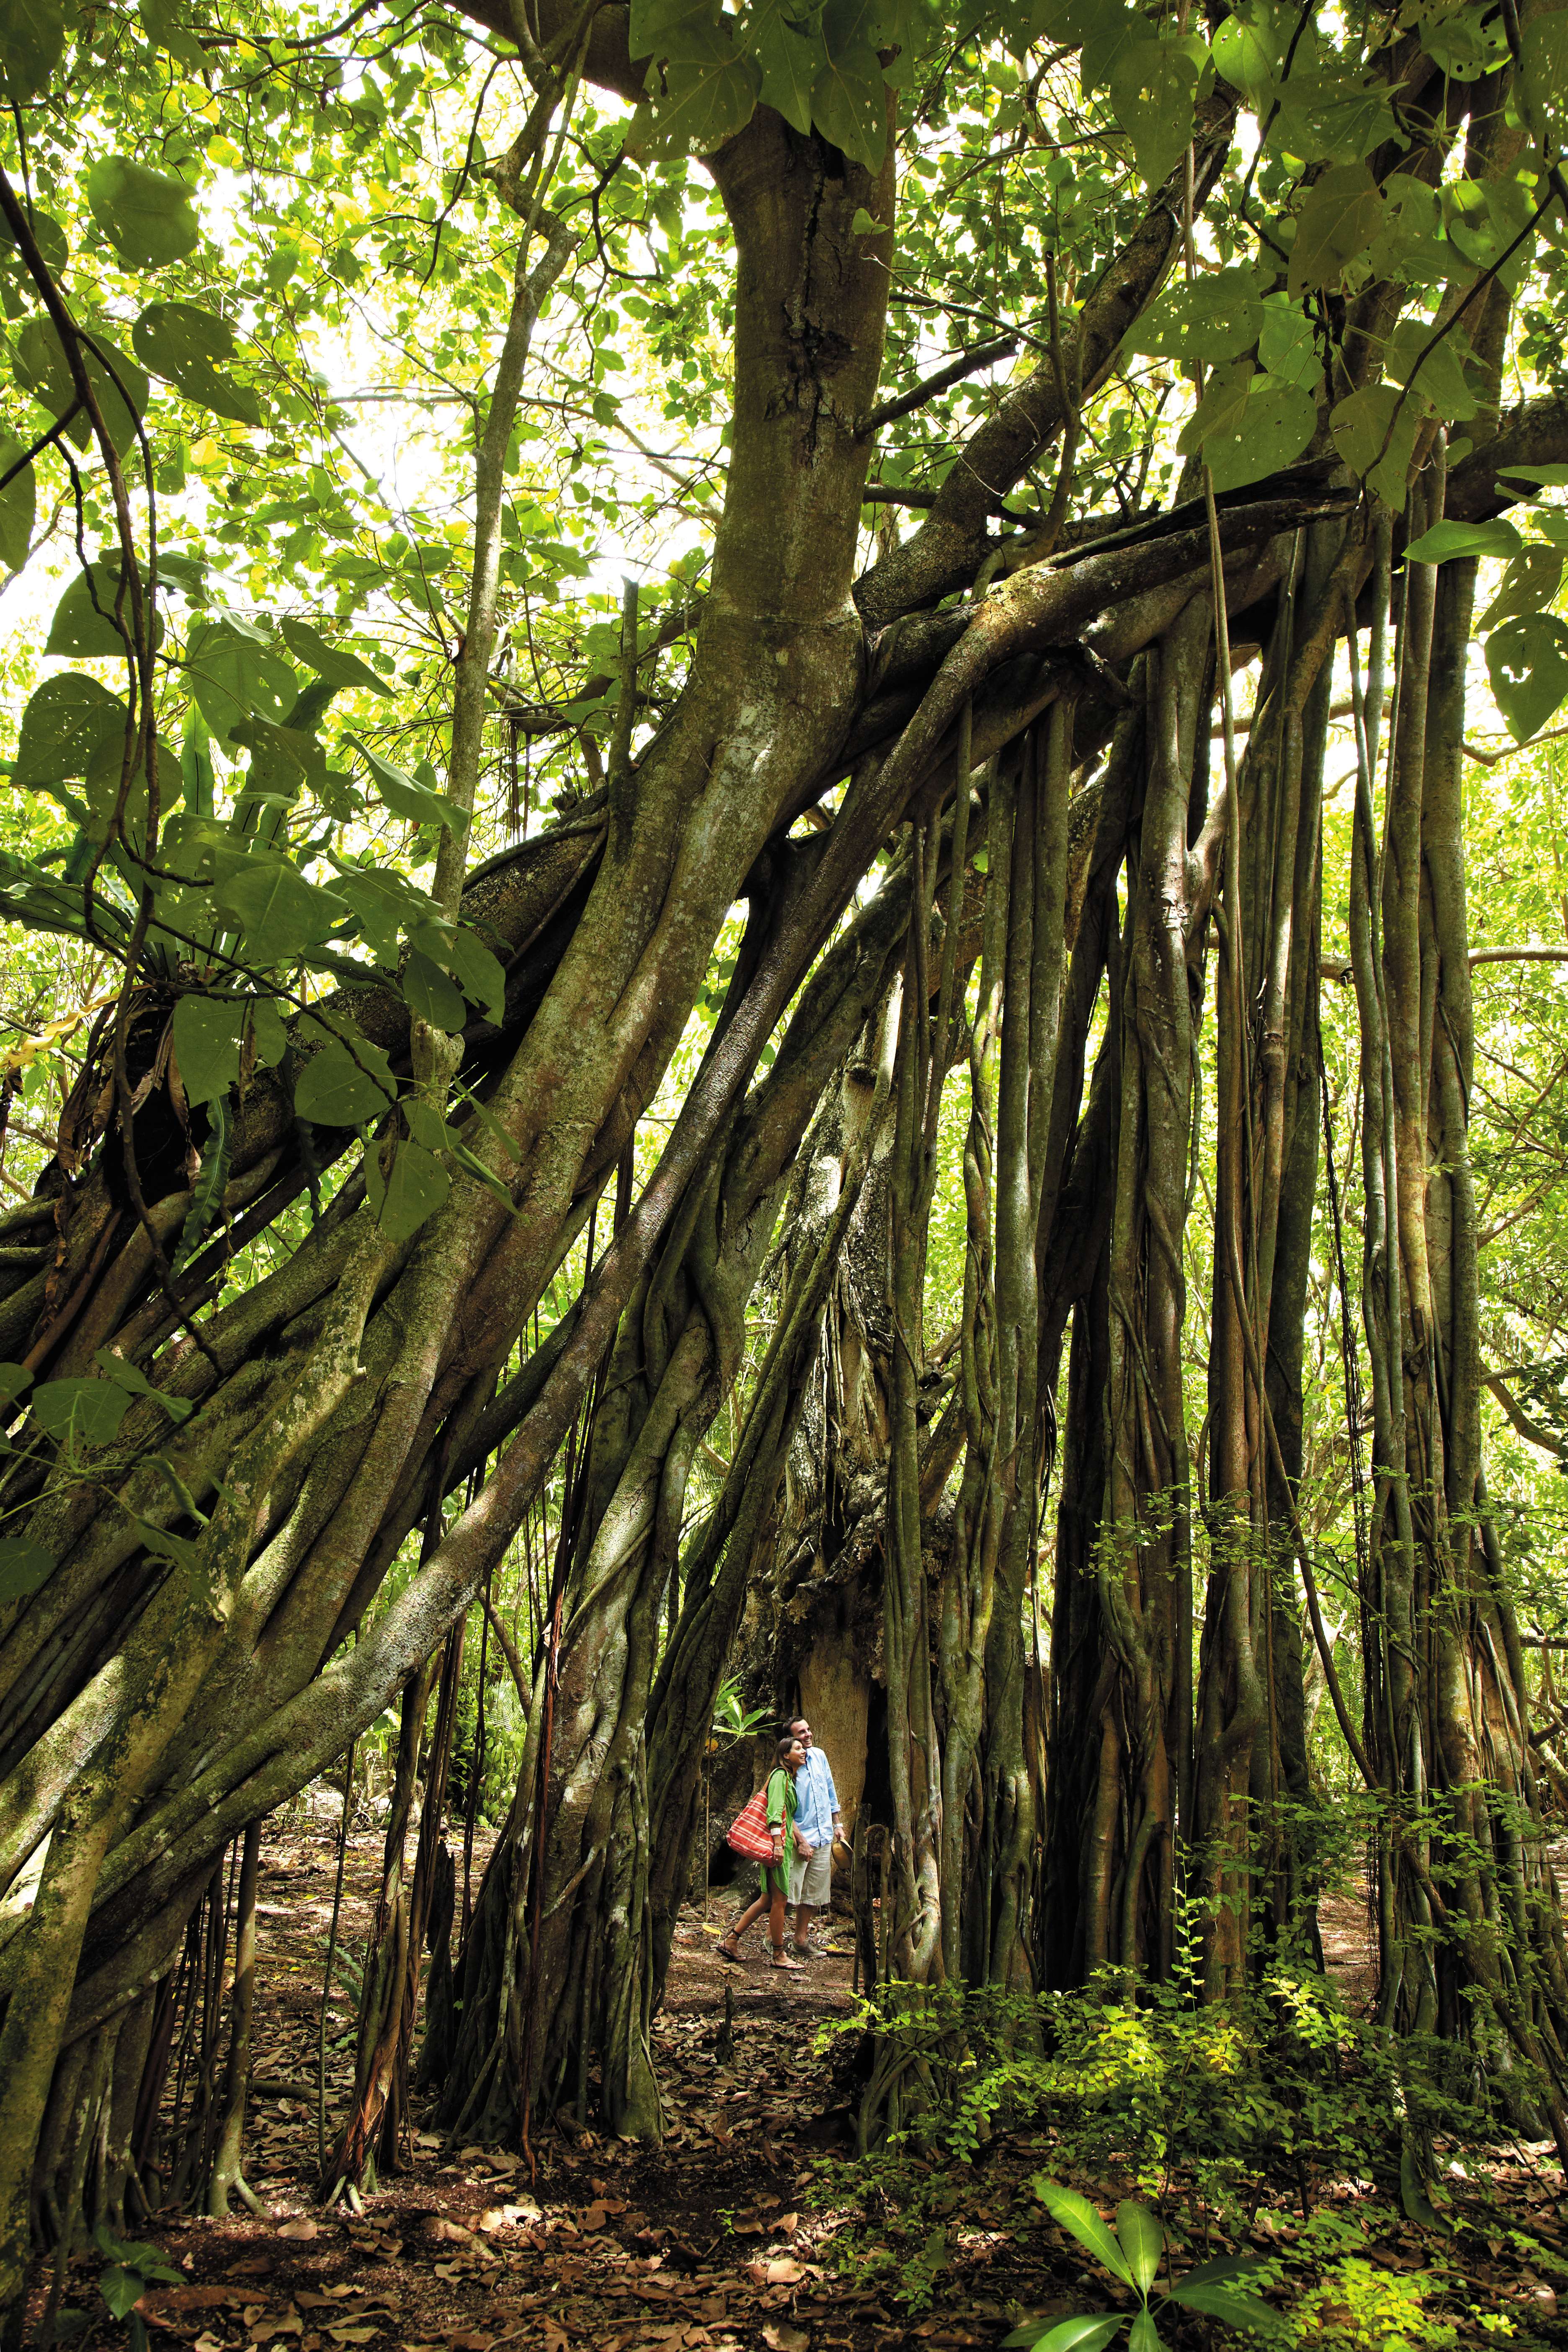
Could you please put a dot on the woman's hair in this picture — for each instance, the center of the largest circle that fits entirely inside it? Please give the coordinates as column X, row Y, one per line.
column 786, row 1744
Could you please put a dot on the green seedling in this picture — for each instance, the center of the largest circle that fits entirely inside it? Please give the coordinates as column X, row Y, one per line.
column 1132, row 2253
column 131, row 2269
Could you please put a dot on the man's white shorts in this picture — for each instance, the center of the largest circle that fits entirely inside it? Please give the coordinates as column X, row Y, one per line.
column 811, row 1877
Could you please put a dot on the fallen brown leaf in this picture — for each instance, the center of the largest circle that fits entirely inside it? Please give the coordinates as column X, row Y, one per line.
column 436, row 2227
column 300, row 2228
column 787, row 2225
column 784, row 2271
column 780, row 2339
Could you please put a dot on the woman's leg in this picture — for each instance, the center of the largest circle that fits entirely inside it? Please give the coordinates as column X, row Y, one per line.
column 776, row 1925
column 729, row 1944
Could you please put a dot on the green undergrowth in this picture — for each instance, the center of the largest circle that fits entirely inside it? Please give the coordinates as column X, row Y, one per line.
column 1374, row 2180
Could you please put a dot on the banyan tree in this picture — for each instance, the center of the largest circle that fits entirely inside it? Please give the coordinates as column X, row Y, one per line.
column 529, row 1049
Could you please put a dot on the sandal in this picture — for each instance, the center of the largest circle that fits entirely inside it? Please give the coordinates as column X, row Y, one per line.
column 726, row 1952
column 793, row 1966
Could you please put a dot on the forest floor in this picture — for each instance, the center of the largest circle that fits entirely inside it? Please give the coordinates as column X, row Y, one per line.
column 746, row 2231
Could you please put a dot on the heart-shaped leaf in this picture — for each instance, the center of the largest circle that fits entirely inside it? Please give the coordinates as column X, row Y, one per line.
column 145, row 214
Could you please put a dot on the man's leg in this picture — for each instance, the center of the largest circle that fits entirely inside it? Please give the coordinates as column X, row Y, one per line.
column 813, row 1894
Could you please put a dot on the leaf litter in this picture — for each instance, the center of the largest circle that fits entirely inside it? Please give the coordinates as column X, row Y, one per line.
column 719, row 2240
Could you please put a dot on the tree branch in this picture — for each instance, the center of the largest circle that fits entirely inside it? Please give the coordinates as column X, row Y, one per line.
column 968, row 363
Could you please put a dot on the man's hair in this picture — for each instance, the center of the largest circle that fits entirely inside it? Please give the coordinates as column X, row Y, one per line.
column 796, row 1723
column 786, row 1744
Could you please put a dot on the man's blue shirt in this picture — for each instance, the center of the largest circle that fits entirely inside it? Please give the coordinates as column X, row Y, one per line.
column 817, row 1799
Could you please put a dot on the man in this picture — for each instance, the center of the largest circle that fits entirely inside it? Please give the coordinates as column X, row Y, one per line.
column 818, row 1828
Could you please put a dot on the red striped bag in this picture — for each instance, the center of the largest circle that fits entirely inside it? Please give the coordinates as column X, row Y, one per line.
column 749, row 1832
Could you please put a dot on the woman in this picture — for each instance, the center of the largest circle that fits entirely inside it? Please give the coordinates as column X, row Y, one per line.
column 775, row 1873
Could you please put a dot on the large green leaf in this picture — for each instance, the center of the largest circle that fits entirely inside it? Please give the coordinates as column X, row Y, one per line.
column 1152, row 86
column 269, row 1037
column 1543, row 55
column 1142, row 2241
column 1451, row 537
column 17, row 505
column 280, row 913
column 1288, row 344
column 1484, row 219
column 234, row 672
column 32, row 43
column 80, row 1412
column 403, row 1197
column 1324, row 117
column 405, row 795
column 386, row 903
column 334, row 663
column 84, row 622
column 64, row 723
column 1145, row 2335
column 1374, row 432
column 1089, row 2333
column 43, row 370
column 704, row 105
column 1221, row 409
column 339, row 1088
column 1529, row 585
column 477, row 971
column 1215, row 317
column 1110, row 29
column 1227, row 2304
column 1075, row 2214
column 790, row 61
column 1272, row 428
column 1247, row 53
column 1527, row 660
column 24, row 1567
column 206, row 1045
column 184, row 345
column 105, row 770
column 849, row 94
column 1340, row 218
column 431, row 995
column 680, row 31
column 135, row 1382
column 145, row 214
column 1435, row 368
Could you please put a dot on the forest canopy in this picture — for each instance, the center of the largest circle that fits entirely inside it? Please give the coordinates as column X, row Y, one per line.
column 783, row 911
